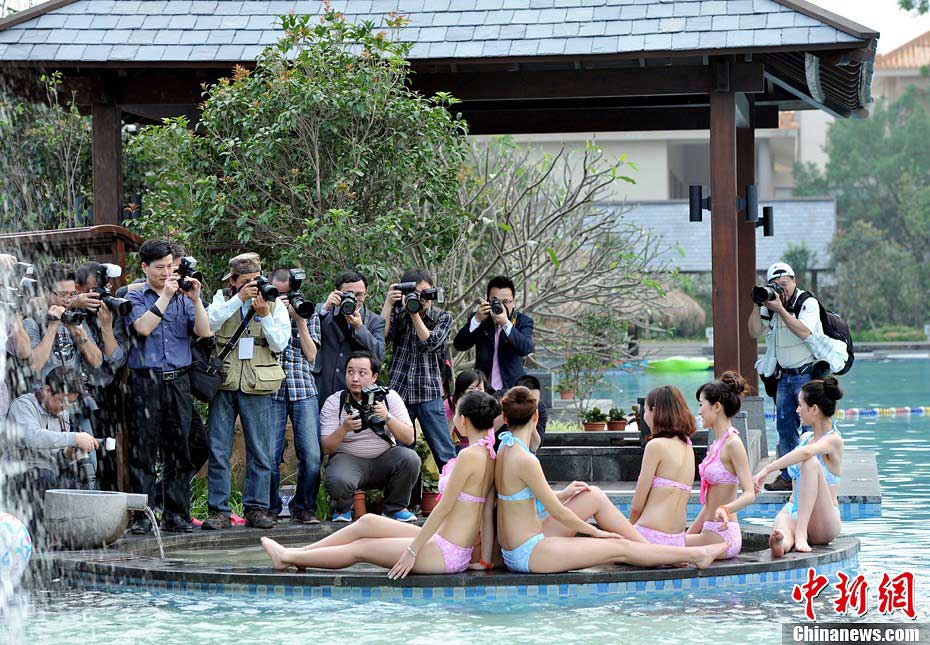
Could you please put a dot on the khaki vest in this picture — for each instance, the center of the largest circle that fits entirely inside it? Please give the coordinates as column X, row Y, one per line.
column 262, row 374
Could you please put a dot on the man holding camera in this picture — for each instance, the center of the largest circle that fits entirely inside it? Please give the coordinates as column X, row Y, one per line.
column 788, row 359
column 501, row 337
column 360, row 427
column 162, row 321
column 247, row 317
column 46, row 440
column 16, row 287
column 419, row 333
column 346, row 325
column 297, row 399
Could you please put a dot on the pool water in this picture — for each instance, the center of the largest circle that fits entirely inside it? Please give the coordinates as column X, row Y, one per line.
column 896, row 542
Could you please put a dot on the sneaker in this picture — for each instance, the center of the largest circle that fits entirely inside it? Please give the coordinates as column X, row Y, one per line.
column 216, row 521
column 342, row 517
column 304, row 517
column 176, row 524
column 403, row 515
column 780, row 484
column 142, row 526
column 258, row 518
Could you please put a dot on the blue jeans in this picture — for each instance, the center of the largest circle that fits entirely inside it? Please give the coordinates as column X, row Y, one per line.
column 786, row 413
column 254, row 410
column 305, row 421
column 432, row 417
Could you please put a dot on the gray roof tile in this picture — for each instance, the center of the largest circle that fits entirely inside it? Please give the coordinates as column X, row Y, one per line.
column 97, row 52
column 251, row 52
column 441, row 28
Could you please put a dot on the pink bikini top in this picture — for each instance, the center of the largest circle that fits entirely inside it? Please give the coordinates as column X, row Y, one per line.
column 662, row 482
column 487, row 442
column 712, row 470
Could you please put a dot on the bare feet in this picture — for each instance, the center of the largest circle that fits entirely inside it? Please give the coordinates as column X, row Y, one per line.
column 800, row 544
column 710, row 553
column 777, row 543
column 276, row 552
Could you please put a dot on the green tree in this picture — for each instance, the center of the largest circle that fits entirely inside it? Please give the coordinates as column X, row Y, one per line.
column 917, row 6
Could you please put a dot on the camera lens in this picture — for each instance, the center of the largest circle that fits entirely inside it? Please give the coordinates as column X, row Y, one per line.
column 349, row 304
column 303, row 308
column 496, row 307
column 412, row 303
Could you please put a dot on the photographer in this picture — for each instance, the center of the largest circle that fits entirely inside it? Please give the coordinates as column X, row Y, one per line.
column 297, row 399
column 46, row 441
column 419, row 332
column 247, row 315
column 66, row 339
column 13, row 336
column 161, row 324
column 342, row 333
column 501, row 337
column 788, row 359
column 364, row 455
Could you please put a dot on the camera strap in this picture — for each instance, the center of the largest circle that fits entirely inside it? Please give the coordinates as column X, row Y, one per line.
column 348, row 403
column 228, row 347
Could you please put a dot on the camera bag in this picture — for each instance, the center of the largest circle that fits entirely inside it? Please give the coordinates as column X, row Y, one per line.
column 205, row 374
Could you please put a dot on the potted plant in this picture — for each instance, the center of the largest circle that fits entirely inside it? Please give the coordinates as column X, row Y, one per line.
column 594, row 420
column 616, row 419
column 430, row 492
column 566, row 390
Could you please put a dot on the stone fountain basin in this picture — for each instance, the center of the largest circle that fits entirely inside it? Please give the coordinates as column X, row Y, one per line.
column 86, row 519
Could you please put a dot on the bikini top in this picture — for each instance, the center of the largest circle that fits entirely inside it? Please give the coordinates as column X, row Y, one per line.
column 508, row 440
column 487, row 442
column 794, row 470
column 712, row 470
column 662, row 482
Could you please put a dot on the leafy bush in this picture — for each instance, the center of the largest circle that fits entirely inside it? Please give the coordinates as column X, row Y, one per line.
column 889, row 333
column 594, row 415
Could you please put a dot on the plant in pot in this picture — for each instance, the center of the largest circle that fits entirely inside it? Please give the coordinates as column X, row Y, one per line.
column 430, row 492
column 616, row 419
column 566, row 390
column 594, row 420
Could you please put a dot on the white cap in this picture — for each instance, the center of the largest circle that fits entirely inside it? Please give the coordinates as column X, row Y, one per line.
column 777, row 270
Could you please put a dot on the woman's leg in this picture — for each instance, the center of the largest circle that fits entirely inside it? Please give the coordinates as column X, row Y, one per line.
column 782, row 539
column 383, row 552
column 593, row 503
column 367, row 526
column 703, row 538
column 556, row 554
column 815, row 508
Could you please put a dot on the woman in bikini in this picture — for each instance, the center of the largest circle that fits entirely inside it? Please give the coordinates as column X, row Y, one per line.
column 437, row 547
column 526, row 548
column 466, row 381
column 660, row 502
column 725, row 466
column 812, row 514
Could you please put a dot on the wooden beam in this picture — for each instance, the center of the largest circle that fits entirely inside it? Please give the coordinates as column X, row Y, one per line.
column 107, row 163
column 586, row 83
column 724, row 220
column 593, row 120
column 746, row 256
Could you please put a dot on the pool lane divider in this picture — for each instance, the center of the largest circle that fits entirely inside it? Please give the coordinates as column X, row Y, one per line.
column 864, row 413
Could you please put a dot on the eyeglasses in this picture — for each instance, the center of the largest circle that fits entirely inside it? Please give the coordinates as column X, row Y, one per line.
column 67, row 295
column 507, row 303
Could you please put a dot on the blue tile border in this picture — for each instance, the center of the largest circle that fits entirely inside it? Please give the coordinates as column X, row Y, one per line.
column 849, row 511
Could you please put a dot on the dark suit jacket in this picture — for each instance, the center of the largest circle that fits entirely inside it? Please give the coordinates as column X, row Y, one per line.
column 510, row 350
column 337, row 341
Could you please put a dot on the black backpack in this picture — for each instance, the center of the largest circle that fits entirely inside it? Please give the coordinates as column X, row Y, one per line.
column 833, row 327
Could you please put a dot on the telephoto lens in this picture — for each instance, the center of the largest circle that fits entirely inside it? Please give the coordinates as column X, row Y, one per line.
column 269, row 291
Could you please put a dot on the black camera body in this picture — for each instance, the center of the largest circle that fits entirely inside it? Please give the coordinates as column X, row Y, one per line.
column 413, row 299
column 497, row 307
column 74, row 317
column 269, row 292
column 766, row 293
column 105, row 273
column 371, row 394
column 295, row 280
column 349, row 304
column 187, row 269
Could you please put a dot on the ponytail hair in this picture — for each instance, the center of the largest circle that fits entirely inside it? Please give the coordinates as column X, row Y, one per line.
column 728, row 391
column 823, row 393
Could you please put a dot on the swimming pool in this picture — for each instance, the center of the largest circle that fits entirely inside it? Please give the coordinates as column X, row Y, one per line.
column 896, row 542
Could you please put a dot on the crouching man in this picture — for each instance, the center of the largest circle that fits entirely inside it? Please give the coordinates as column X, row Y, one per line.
column 362, row 442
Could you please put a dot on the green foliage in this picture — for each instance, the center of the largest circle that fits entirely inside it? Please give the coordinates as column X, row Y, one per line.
column 917, row 6
column 199, row 508
column 594, row 415
column 616, row 414
column 889, row 334
column 321, row 157
column 800, row 257
column 879, row 173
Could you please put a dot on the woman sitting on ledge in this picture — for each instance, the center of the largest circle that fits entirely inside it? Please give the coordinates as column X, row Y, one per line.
column 437, row 547
column 725, row 466
column 527, row 547
column 660, row 502
column 812, row 515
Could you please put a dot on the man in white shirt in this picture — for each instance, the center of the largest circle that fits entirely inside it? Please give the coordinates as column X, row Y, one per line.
column 251, row 374
column 364, row 452
column 788, row 357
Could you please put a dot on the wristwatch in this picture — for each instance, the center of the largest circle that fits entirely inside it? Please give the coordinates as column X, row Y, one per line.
column 80, row 341
column 388, row 417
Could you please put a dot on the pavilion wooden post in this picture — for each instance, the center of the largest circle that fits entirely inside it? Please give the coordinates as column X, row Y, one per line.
column 724, row 222
column 746, row 256
column 107, row 163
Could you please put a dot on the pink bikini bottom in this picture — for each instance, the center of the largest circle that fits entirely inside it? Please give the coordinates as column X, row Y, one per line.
column 730, row 533
column 456, row 557
column 658, row 537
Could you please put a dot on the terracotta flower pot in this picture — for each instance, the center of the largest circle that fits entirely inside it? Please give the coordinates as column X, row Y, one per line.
column 594, row 426
column 429, row 501
column 567, row 395
column 358, row 504
column 615, row 426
